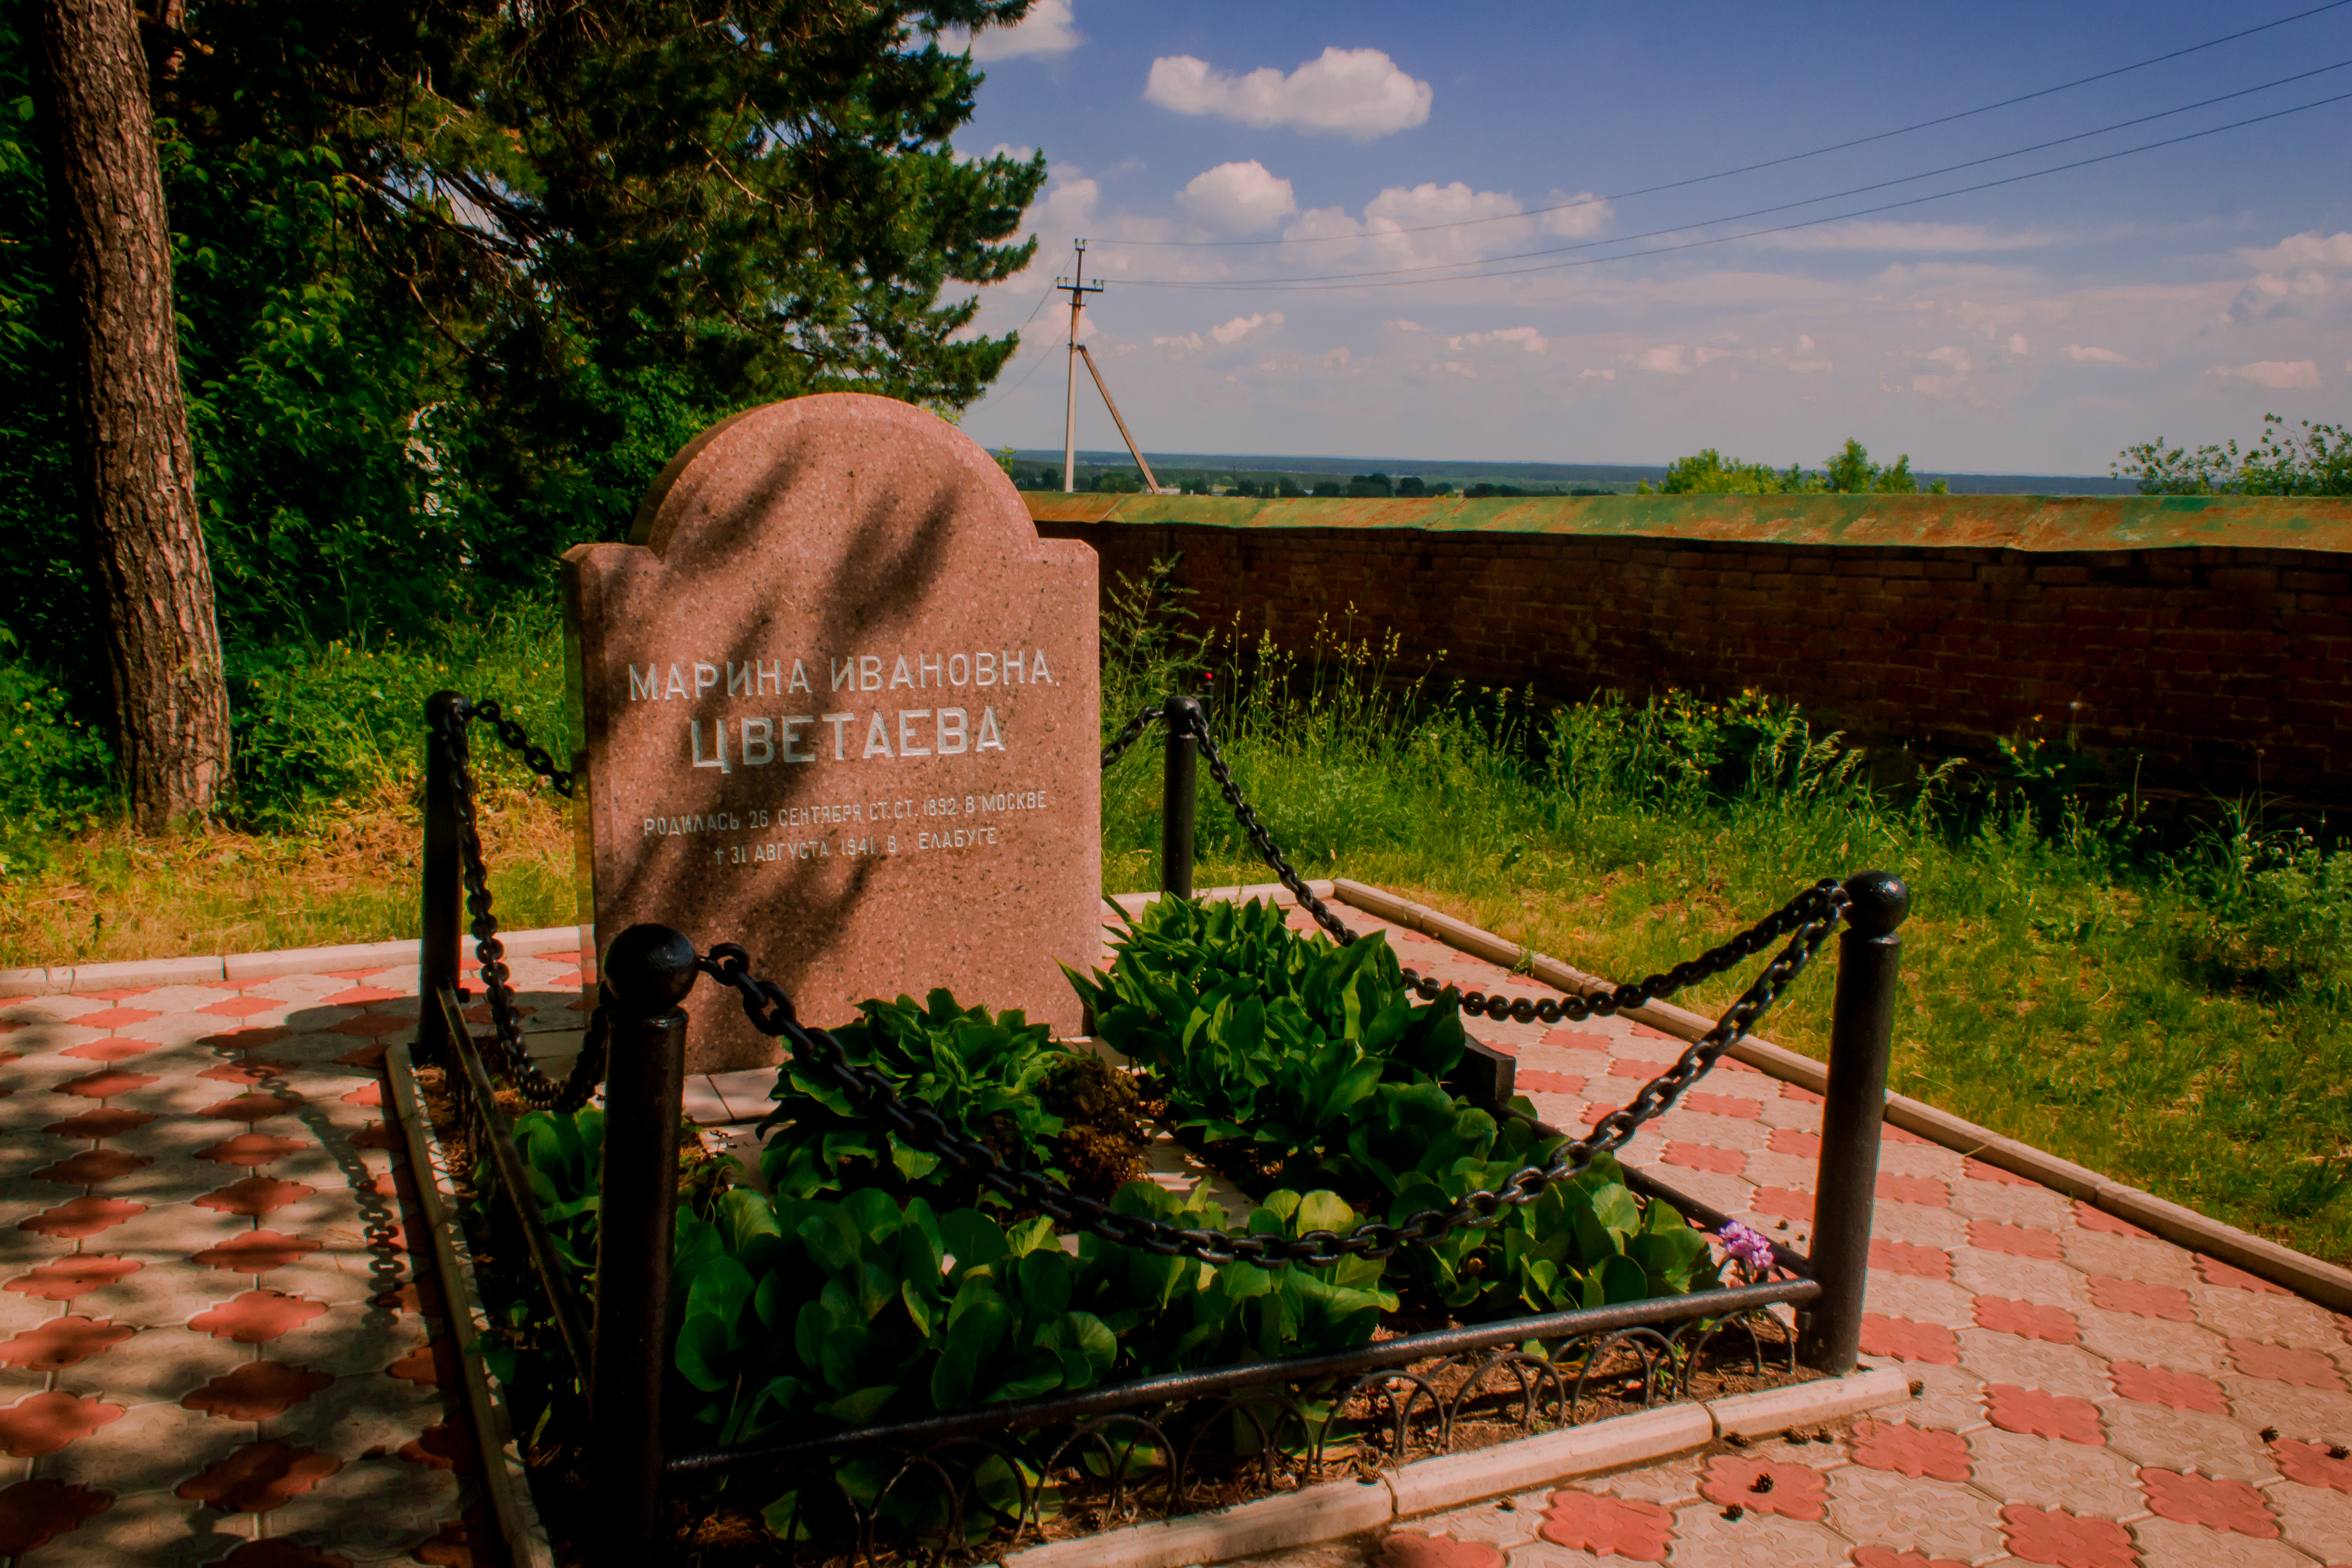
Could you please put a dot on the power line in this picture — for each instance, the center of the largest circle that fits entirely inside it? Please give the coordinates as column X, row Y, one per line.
column 1788, row 206
column 1468, row 276
column 1768, row 163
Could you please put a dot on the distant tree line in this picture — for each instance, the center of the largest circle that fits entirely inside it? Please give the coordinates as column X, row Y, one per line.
column 1849, row 472
column 2318, row 462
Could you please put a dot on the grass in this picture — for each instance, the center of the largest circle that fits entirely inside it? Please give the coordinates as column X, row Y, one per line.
column 2173, row 1015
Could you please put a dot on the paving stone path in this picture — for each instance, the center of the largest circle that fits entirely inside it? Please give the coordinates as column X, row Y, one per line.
column 216, row 1344
column 222, row 1339
column 2094, row 1398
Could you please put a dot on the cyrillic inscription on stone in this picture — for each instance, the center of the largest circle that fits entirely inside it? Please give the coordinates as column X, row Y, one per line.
column 840, row 706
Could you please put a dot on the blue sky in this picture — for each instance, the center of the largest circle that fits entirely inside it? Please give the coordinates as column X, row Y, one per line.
column 2036, row 327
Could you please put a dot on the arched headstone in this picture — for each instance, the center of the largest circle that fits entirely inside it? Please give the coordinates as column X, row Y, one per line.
column 841, row 706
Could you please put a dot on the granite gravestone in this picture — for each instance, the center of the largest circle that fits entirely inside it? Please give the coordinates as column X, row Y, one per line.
column 840, row 705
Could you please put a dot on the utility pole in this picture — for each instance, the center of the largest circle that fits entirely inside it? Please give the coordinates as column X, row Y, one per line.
column 1078, row 288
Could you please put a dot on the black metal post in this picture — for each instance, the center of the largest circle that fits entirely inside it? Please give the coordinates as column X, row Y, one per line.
column 443, row 916
column 1862, row 1029
column 648, row 970
column 1176, row 796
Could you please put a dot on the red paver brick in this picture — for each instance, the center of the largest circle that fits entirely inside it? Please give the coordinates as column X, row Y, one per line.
column 371, row 1056
column 359, row 996
column 2159, row 1386
column 43, row 1423
column 446, row 1447
column 91, row 1166
column 255, row 1252
column 1704, row 1157
column 1638, row 1071
column 2098, row 1219
column 250, row 1149
column 1906, row 1340
column 1594, row 1113
column 2065, row 1540
column 2015, row 1240
column 369, row 1096
column 255, row 1196
column 470, row 1542
column 112, row 1017
column 1730, row 1105
column 1902, row 1258
column 1782, row 1201
column 2142, row 1299
column 1622, row 1527
column 1789, row 1141
column 1924, row 1190
column 247, row 1069
column 2215, row 1504
column 434, row 1364
column 2283, row 1364
column 422, row 1296
column 257, row 1317
column 32, row 1513
column 1887, row 1557
column 1910, row 1450
column 248, row 1037
column 2217, row 1272
column 62, row 1342
column 260, row 1476
column 253, row 1108
column 101, row 1121
column 2028, row 1320
column 1978, row 1170
column 1406, row 1548
column 1577, row 1040
column 115, row 994
column 1644, row 1032
column 2039, row 1414
column 71, row 1277
column 79, row 1217
column 1792, row 1491
column 105, row 1084
column 256, row 1391
column 113, row 1049
column 378, row 1135
column 2313, row 1464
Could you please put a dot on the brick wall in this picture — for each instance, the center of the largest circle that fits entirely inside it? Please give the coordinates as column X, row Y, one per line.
column 2212, row 637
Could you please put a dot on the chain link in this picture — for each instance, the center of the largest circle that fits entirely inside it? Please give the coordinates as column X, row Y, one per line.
column 1129, row 735
column 513, row 1058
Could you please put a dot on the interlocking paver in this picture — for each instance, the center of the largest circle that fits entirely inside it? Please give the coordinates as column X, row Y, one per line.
column 2074, row 1357
column 218, row 1281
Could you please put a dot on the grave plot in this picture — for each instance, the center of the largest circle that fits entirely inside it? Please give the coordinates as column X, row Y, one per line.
column 948, row 1310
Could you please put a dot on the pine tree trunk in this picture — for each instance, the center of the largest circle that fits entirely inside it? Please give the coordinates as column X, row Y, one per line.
column 135, row 474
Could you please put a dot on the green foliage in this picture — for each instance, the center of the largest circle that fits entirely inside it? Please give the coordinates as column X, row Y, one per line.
column 1849, row 472
column 55, row 774
column 563, row 1157
column 985, row 1074
column 455, row 281
column 1150, row 646
column 1292, row 1057
column 2318, row 462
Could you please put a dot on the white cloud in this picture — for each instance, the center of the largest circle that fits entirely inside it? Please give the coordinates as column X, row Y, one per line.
column 2310, row 249
column 1579, row 217
column 1360, row 93
column 1181, row 347
column 1607, row 374
column 1238, row 198
column 1402, row 325
column 1458, row 367
column 1666, row 359
column 1527, row 338
column 1240, row 327
column 1810, row 366
column 1069, row 204
column 2278, row 376
column 1048, row 30
column 2017, row 343
column 2083, row 353
column 1335, row 359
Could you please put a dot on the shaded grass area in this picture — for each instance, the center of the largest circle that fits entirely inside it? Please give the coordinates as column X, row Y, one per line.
column 2172, row 1016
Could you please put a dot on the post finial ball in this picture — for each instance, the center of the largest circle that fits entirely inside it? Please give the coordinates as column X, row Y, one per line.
column 650, row 968
column 1877, row 902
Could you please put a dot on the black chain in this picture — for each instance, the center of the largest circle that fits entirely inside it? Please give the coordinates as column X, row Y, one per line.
column 521, row 1073
column 920, row 1126
column 1129, row 736
column 1790, row 918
